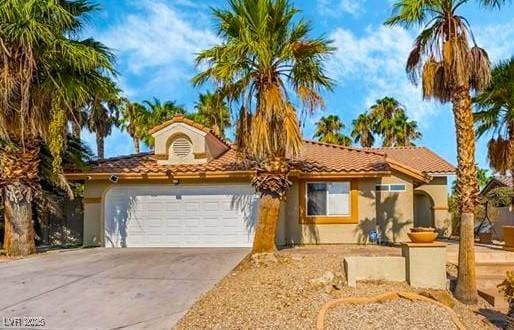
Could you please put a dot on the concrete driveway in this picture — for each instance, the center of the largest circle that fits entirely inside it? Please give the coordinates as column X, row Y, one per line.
column 111, row 288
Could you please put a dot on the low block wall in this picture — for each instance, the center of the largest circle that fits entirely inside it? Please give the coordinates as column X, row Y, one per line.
column 374, row 268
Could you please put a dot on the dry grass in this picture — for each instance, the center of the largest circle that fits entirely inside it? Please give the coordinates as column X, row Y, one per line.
column 279, row 295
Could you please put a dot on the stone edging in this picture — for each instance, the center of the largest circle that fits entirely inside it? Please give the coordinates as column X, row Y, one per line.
column 382, row 298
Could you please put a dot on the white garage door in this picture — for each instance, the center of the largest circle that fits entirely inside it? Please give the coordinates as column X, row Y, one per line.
column 179, row 216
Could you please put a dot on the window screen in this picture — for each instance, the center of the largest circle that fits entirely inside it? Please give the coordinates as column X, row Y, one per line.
column 328, row 199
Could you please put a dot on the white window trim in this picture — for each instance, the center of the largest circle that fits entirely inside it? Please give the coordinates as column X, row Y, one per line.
column 328, row 215
column 388, row 185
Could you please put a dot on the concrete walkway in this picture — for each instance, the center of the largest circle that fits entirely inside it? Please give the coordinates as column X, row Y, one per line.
column 492, row 263
column 111, row 288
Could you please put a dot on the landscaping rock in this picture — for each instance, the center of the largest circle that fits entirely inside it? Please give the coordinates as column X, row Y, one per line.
column 443, row 297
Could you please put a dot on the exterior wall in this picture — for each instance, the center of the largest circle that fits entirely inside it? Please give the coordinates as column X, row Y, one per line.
column 93, row 214
column 395, row 210
column 437, row 190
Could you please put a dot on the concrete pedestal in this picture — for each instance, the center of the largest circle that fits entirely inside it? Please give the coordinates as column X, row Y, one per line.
column 425, row 264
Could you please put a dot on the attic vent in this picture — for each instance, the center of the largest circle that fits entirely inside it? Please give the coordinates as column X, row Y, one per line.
column 181, row 147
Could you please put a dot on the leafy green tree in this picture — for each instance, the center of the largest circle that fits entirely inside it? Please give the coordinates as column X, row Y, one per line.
column 212, row 111
column 328, row 130
column 495, row 115
column 449, row 69
column 45, row 68
column 265, row 54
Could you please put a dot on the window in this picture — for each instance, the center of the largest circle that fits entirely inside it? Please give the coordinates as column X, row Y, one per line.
column 328, row 199
column 382, row 187
column 395, row 187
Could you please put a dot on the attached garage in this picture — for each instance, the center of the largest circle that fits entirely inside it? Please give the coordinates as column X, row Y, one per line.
column 167, row 215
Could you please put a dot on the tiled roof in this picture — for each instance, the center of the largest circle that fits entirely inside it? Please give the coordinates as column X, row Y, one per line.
column 505, row 180
column 316, row 157
column 419, row 158
column 324, row 157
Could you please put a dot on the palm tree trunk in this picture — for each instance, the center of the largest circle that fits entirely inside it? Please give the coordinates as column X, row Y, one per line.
column 19, row 169
column 19, row 229
column 467, row 188
column 135, row 141
column 75, row 128
column 100, row 146
column 264, row 241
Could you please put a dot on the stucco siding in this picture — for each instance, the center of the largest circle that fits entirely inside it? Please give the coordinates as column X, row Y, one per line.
column 392, row 211
column 395, row 210
column 93, row 223
column 437, row 190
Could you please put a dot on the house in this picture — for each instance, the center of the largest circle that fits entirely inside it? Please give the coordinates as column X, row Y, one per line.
column 194, row 191
column 499, row 216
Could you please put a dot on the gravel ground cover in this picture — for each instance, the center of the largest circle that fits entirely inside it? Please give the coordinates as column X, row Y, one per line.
column 396, row 314
column 281, row 296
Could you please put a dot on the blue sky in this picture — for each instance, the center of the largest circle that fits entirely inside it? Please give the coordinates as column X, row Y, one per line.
column 155, row 42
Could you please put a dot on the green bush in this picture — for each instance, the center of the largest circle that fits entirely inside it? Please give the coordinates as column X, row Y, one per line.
column 507, row 288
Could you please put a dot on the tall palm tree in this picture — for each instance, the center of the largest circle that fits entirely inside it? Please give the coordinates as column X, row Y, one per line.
column 103, row 113
column 389, row 119
column 212, row 111
column 157, row 113
column 266, row 50
column 405, row 131
column 44, row 68
column 328, row 130
column 134, row 118
column 363, row 130
column 450, row 69
column 495, row 115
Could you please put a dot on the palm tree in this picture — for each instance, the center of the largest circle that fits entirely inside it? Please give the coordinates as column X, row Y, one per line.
column 134, row 118
column 449, row 69
column 363, row 130
column 495, row 114
column 405, row 131
column 103, row 113
column 389, row 119
column 44, row 69
column 265, row 54
column 157, row 113
column 212, row 111
column 328, row 130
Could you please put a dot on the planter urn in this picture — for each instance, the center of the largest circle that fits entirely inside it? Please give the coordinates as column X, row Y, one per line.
column 422, row 235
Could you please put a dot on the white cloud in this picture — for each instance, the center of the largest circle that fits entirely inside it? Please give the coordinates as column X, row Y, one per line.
column 161, row 38
column 352, row 7
column 376, row 60
column 497, row 39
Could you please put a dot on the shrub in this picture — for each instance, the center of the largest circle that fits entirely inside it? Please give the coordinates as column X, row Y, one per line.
column 507, row 288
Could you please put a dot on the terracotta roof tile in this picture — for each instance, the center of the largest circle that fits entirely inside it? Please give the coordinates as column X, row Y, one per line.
column 324, row 157
column 316, row 157
column 505, row 180
column 419, row 158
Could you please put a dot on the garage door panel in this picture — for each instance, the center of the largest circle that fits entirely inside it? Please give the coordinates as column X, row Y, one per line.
column 181, row 216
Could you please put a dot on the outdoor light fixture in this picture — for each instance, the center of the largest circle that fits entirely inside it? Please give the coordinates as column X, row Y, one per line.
column 113, row 179
column 175, row 181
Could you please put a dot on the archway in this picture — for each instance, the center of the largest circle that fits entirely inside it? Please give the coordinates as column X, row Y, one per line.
column 423, row 210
